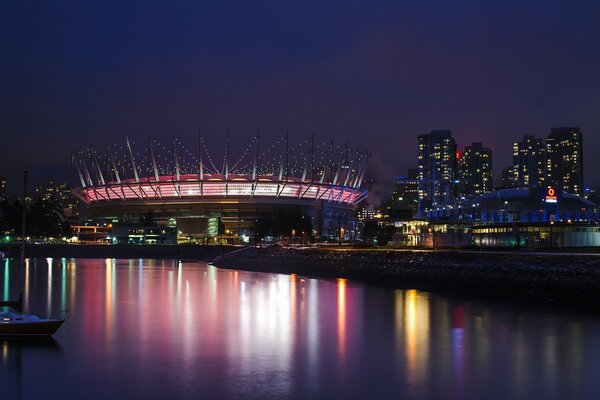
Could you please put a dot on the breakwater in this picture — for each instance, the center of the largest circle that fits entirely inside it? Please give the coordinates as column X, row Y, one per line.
column 553, row 279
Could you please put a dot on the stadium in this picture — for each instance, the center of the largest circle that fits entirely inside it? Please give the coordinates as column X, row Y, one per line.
column 305, row 190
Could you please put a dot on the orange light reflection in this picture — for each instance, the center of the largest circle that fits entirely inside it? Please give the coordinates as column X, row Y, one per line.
column 417, row 334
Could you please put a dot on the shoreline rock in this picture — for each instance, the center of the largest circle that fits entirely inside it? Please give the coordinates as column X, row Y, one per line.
column 556, row 280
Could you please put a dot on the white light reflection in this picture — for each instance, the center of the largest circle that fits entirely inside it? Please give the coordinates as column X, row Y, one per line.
column 63, row 284
column 211, row 271
column 140, row 280
column 26, row 299
column 189, row 339
column 266, row 324
column 245, row 323
column 72, row 267
column 313, row 329
column 49, row 299
column 6, row 279
column 179, row 273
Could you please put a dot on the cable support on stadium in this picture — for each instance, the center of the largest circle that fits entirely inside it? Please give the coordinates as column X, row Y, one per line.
column 233, row 169
column 189, row 163
column 264, row 153
column 212, row 164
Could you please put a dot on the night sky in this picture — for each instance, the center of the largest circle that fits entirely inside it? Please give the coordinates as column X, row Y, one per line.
column 374, row 73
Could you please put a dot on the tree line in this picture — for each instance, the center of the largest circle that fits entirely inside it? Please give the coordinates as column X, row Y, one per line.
column 44, row 218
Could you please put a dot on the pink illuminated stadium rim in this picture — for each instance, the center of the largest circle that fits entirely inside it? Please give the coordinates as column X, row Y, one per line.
column 216, row 186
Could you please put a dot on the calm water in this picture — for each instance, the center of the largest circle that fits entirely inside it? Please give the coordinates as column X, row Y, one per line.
column 158, row 329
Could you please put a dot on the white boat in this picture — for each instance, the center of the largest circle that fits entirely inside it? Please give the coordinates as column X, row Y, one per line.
column 18, row 324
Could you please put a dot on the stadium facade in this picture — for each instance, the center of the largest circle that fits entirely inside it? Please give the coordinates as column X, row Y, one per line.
column 308, row 190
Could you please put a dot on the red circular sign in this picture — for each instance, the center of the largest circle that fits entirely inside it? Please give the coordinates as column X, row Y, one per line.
column 551, row 191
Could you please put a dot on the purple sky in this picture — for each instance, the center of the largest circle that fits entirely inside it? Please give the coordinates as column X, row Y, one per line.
column 374, row 73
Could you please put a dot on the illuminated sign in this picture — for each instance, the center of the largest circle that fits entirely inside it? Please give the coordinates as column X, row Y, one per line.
column 551, row 196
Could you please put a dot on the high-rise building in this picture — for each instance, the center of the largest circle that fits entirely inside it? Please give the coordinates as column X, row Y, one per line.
column 529, row 162
column 405, row 197
column 3, row 189
column 475, row 170
column 508, row 177
column 437, row 166
column 564, row 166
column 60, row 192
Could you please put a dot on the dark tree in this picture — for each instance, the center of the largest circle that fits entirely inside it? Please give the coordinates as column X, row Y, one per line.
column 45, row 218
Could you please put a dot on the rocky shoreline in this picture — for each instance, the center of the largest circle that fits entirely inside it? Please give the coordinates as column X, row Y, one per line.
column 543, row 279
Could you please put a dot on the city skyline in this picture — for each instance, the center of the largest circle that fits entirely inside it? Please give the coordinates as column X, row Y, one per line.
column 314, row 199
column 68, row 173
column 383, row 76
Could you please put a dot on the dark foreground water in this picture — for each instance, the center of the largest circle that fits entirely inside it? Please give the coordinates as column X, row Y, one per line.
column 158, row 329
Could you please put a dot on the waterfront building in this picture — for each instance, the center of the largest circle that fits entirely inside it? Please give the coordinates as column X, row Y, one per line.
column 437, row 168
column 519, row 205
column 564, row 167
column 366, row 212
column 404, row 203
column 436, row 234
column 475, row 170
column 142, row 235
column 537, row 234
column 535, row 205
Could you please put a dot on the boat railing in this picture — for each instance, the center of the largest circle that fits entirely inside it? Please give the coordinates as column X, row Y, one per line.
column 61, row 315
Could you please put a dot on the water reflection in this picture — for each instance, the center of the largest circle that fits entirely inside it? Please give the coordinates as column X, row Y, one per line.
column 159, row 328
column 341, row 301
column 6, row 280
column 49, row 286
